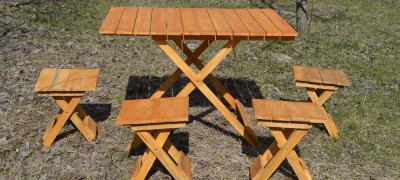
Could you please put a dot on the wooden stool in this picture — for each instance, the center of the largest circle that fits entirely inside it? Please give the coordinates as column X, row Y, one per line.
column 67, row 87
column 152, row 120
column 288, row 122
column 321, row 84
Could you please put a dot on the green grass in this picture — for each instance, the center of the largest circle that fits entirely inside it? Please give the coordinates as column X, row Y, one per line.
column 364, row 42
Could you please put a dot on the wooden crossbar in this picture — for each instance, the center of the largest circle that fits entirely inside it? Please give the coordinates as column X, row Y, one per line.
column 196, row 81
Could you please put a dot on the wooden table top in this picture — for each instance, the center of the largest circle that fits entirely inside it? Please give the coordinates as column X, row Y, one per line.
column 197, row 23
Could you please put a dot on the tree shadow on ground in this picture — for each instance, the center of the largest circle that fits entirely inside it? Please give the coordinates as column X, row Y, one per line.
column 98, row 112
column 142, row 87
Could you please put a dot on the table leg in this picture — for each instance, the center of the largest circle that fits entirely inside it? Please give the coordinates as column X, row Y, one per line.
column 174, row 77
column 197, row 81
column 221, row 89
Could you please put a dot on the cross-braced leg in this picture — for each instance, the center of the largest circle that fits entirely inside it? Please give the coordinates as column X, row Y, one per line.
column 61, row 119
column 221, row 89
column 81, row 120
column 168, row 83
column 297, row 164
column 282, row 153
column 197, row 81
column 157, row 151
column 319, row 97
column 148, row 158
column 192, row 57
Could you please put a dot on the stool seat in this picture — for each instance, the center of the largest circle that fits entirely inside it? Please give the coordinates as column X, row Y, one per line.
column 154, row 111
column 67, row 80
column 320, row 77
column 153, row 120
column 288, row 112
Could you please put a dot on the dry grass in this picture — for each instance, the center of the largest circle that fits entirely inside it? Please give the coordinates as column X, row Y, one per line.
column 361, row 37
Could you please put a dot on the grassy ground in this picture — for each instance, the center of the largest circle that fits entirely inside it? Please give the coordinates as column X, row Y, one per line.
column 360, row 37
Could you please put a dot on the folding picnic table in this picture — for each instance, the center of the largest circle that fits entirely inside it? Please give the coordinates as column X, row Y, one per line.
column 207, row 25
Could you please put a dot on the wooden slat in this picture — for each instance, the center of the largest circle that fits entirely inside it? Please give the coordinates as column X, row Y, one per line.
column 61, row 93
column 221, row 26
column 162, row 111
column 296, row 112
column 180, row 109
column 261, row 109
column 143, row 20
column 185, row 164
column 238, row 28
column 159, row 21
column 204, row 22
column 317, row 86
column 313, row 111
column 251, row 24
column 283, row 26
column 60, row 80
column 127, row 21
column 111, row 21
column 256, row 166
column 279, row 110
column 49, row 126
column 146, row 127
column 284, row 124
column 136, row 112
column 190, row 27
column 136, row 167
column 313, row 75
column 342, row 78
column 45, row 79
column 267, row 25
column 244, row 115
column 174, row 22
column 300, row 73
column 75, row 78
column 327, row 76
column 89, row 81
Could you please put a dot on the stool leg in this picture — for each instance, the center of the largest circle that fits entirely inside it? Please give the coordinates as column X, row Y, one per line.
column 78, row 116
column 148, row 158
column 319, row 96
column 136, row 142
column 62, row 118
column 293, row 158
column 162, row 156
column 283, row 152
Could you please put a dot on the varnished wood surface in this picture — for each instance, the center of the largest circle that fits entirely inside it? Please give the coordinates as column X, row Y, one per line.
column 67, row 80
column 197, row 23
column 320, row 76
column 154, row 111
column 285, row 111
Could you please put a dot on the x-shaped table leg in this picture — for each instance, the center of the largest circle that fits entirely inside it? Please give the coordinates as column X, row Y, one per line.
column 319, row 96
column 160, row 148
column 197, row 81
column 69, row 110
column 283, row 148
column 170, row 81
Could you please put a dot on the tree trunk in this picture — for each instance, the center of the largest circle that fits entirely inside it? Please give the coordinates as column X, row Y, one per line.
column 301, row 16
